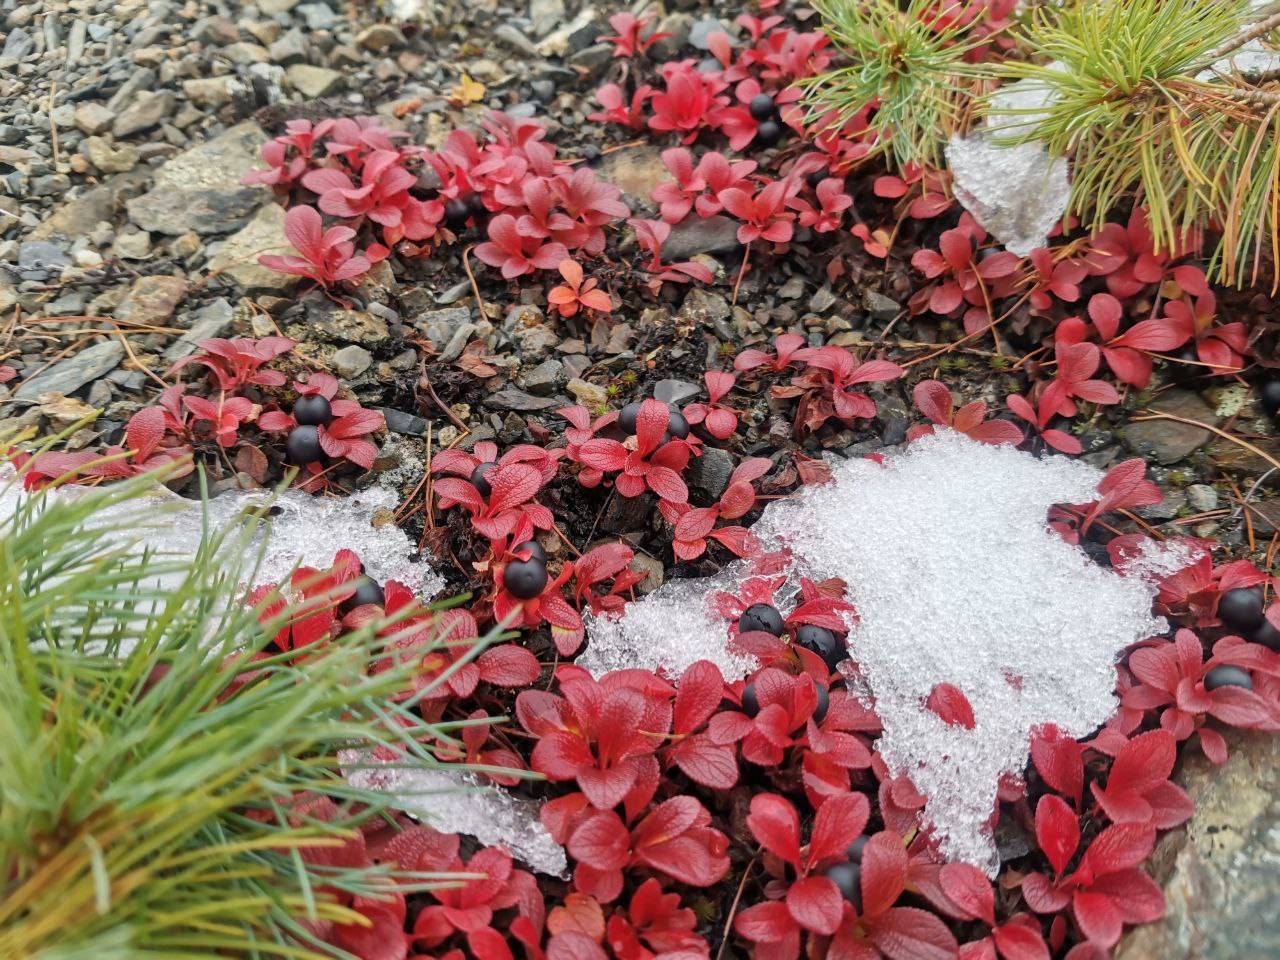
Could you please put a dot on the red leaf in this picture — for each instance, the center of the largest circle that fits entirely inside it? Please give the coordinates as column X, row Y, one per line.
column 666, row 483
column 969, row 889
column 1057, row 831
column 949, row 703
column 776, row 827
column 512, row 485
column 699, row 694
column 1059, row 760
column 509, row 665
column 907, row 933
column 934, row 400
column 884, row 872
column 815, row 903
column 838, row 823
column 601, row 841
column 572, row 945
column 1118, row 847
column 765, row 922
column 1018, row 942
column 1098, row 918
column 707, row 763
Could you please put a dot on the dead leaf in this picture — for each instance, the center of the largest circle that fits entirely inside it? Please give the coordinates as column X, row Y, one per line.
column 467, row 92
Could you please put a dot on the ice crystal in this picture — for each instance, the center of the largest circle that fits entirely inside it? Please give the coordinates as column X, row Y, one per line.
column 456, row 803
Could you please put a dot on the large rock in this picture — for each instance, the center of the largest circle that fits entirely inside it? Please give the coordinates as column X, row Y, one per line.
column 1219, row 873
column 200, row 191
column 78, row 216
column 237, row 258
column 694, row 235
column 1168, row 440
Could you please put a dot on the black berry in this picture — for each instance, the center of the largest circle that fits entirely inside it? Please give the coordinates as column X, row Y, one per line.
column 629, row 416
column 822, row 642
column 311, row 409
column 1241, row 609
column 678, row 426
column 456, row 214
column 303, row 445
column 1227, row 676
column 1271, row 397
column 761, row 616
column 478, row 478
column 1266, row 634
column 769, row 133
column 525, row 578
column 750, row 702
column 815, row 178
column 824, row 703
column 534, row 547
column 848, row 880
column 367, row 591
column 854, row 852
column 475, row 203
column 762, row 107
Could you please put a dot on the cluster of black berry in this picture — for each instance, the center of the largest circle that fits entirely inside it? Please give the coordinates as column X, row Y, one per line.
column 312, row 412
column 847, row 874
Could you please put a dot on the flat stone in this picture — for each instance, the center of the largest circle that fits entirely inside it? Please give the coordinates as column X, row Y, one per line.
column 76, row 217
column 314, row 82
column 1219, row 872
column 710, row 472
column 213, row 320
column 879, row 306
column 701, row 307
column 545, row 16
column 678, row 392
column 590, row 395
column 635, row 170
column 42, row 256
column 69, row 375
column 152, row 300
column 93, row 118
column 379, row 37
column 512, row 398
column 694, row 235
column 1265, row 517
column 352, row 361
column 200, row 191
column 110, row 157
column 544, row 379
column 1169, row 441
column 332, row 324
column 403, row 423
column 146, row 111
column 509, row 36
column 1202, row 498
column 237, row 258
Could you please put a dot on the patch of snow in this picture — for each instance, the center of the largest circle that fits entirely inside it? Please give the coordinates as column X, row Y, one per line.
column 957, row 579
column 670, row 629
column 457, row 803
column 304, row 530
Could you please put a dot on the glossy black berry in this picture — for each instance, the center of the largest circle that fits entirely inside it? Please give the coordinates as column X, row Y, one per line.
column 1271, row 397
column 815, row 178
column 769, row 133
column 1265, row 634
column 629, row 416
column 762, row 107
column 848, row 880
column 367, row 591
column 750, row 702
column 303, row 445
column 824, row 703
column 478, row 478
column 761, row 616
column 525, row 578
column 534, row 547
column 678, row 426
column 854, row 852
column 456, row 214
column 1241, row 609
column 1227, row 676
column 475, row 204
column 311, row 409
column 823, row 642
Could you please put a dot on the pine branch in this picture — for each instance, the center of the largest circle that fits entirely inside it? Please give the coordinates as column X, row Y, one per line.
column 1259, row 29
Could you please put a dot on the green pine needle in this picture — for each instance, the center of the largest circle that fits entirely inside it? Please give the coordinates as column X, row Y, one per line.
column 149, row 760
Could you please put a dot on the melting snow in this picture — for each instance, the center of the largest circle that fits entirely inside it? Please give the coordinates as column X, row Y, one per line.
column 457, row 803
column 957, row 579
